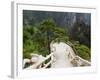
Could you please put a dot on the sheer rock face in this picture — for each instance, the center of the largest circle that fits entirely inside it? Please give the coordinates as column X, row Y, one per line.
column 66, row 19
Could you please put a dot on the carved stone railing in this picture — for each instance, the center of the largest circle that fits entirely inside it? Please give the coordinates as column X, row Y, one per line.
column 77, row 60
column 41, row 63
column 82, row 62
column 44, row 62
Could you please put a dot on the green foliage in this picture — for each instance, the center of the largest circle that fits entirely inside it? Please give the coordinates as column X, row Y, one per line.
column 60, row 34
column 40, row 28
column 37, row 39
column 82, row 50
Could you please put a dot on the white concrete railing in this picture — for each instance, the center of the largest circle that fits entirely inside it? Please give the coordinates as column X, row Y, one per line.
column 41, row 63
column 82, row 62
column 74, row 59
column 77, row 60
